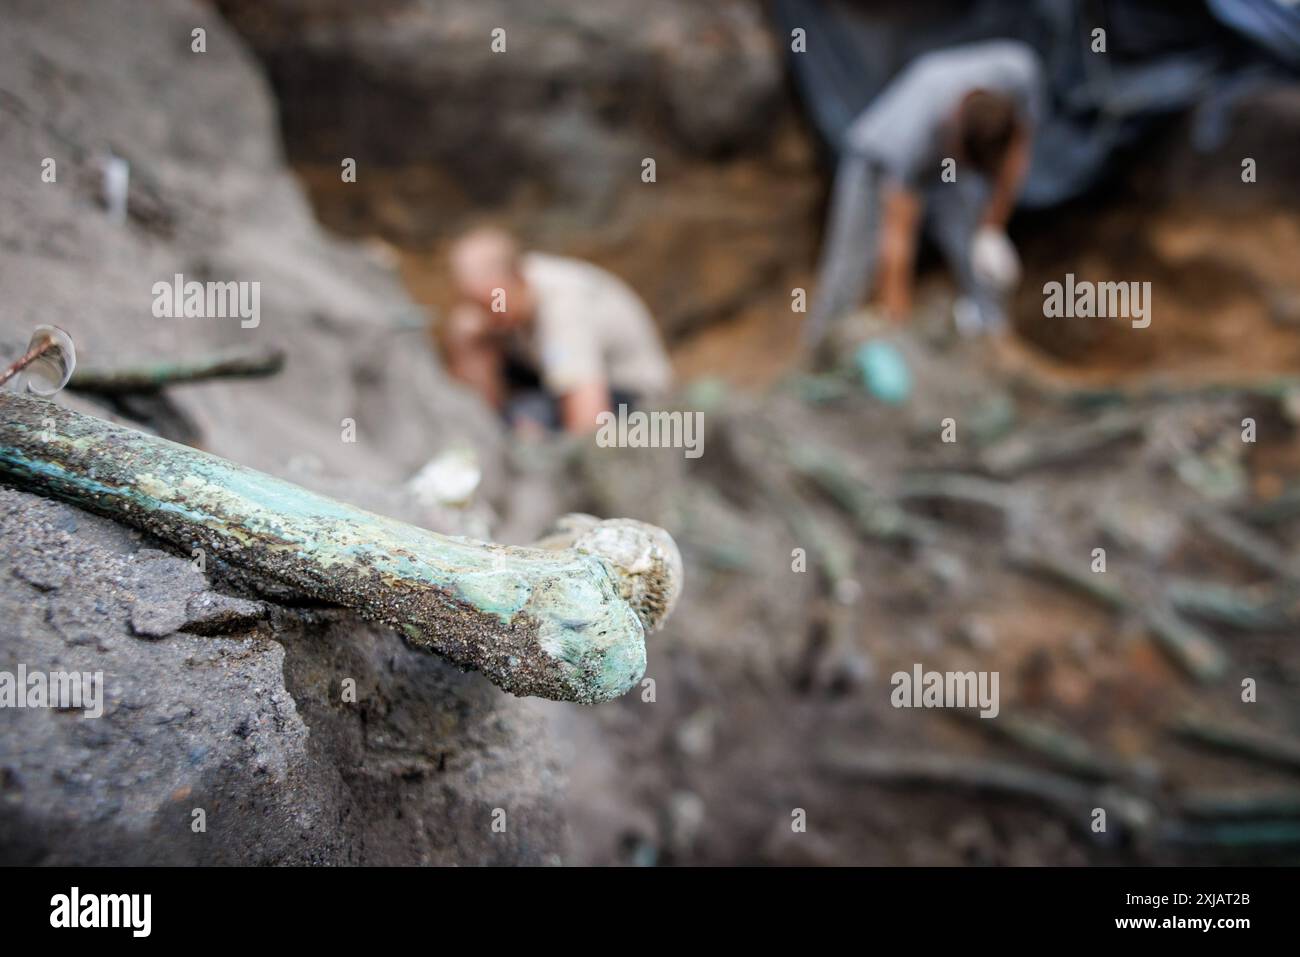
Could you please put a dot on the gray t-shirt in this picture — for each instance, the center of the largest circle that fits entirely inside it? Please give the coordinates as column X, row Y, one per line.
column 902, row 129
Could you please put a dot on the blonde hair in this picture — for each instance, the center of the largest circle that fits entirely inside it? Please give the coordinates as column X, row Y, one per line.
column 483, row 256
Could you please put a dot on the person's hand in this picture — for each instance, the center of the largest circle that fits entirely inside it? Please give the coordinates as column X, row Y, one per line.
column 993, row 259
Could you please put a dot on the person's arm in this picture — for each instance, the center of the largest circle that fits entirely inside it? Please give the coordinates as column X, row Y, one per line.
column 994, row 260
column 472, row 357
column 1010, row 177
column 580, row 406
column 900, row 224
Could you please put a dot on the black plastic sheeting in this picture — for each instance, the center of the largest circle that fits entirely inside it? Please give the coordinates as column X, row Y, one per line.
column 1162, row 58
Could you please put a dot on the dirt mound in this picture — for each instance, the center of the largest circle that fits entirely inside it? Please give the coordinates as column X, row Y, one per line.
column 247, row 725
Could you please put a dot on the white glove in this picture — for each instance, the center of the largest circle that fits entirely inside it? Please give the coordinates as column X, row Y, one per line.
column 994, row 260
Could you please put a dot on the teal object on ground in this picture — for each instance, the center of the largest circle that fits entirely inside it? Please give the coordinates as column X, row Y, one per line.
column 884, row 371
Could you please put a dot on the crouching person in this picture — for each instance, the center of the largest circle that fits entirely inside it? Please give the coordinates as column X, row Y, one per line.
column 969, row 112
column 550, row 342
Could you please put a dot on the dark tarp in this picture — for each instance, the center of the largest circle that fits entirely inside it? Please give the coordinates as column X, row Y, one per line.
column 1162, row 58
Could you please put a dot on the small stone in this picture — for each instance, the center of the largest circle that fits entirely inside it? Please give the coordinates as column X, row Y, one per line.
column 212, row 613
column 157, row 619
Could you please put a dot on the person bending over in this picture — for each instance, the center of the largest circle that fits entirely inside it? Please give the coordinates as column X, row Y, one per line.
column 548, row 341
column 975, row 105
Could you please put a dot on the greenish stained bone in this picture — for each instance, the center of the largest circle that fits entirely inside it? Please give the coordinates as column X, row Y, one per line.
column 1249, row 742
column 566, row 621
column 152, row 376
